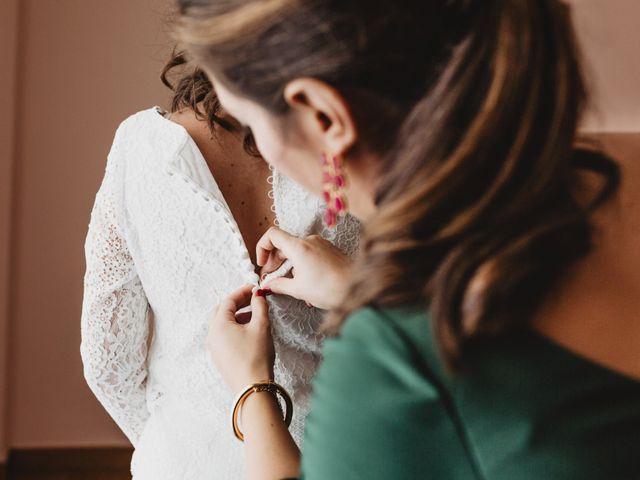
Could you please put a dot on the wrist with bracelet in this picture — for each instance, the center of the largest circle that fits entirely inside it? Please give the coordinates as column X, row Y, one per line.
column 272, row 388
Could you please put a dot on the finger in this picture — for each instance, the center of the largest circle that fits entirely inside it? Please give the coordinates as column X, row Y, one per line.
column 275, row 261
column 275, row 239
column 259, row 312
column 283, row 286
column 234, row 302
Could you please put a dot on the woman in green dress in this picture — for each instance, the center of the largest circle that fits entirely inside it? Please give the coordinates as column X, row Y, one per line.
column 489, row 327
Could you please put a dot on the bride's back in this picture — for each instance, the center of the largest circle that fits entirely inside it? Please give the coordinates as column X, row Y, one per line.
column 164, row 240
column 243, row 178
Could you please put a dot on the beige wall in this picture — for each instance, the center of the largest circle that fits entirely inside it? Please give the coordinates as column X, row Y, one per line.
column 609, row 35
column 83, row 67
column 8, row 41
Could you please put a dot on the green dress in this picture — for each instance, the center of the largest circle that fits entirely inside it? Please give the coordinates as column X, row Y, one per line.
column 525, row 408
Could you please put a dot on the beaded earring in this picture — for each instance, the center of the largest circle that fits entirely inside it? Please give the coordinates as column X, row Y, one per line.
column 333, row 188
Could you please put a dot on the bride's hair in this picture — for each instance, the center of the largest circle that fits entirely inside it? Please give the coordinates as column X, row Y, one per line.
column 473, row 106
column 192, row 89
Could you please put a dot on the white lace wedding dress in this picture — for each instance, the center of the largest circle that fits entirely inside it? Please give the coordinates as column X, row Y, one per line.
column 162, row 250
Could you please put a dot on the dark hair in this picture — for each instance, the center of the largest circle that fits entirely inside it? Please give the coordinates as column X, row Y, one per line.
column 193, row 90
column 474, row 107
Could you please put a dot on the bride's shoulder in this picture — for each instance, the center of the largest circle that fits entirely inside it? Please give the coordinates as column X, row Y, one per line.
column 148, row 131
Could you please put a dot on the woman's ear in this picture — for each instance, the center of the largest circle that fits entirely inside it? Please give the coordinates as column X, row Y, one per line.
column 324, row 114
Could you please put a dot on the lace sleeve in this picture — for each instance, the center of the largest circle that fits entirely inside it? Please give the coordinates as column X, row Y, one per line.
column 114, row 321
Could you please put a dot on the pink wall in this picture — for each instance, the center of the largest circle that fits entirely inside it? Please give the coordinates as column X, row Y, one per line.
column 609, row 34
column 83, row 67
column 8, row 40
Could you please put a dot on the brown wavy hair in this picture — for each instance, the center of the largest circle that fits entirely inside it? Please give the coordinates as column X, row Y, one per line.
column 192, row 89
column 473, row 106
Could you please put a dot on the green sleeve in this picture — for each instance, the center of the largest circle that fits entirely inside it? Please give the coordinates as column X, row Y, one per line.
column 374, row 412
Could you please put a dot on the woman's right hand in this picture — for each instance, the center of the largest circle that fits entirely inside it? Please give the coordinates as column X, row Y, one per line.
column 320, row 270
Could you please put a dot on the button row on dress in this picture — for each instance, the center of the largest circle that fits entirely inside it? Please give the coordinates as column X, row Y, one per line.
column 244, row 255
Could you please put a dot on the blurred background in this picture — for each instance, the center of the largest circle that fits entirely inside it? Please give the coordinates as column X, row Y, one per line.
column 70, row 72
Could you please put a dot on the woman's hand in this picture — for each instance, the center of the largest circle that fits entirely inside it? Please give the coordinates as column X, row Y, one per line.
column 320, row 270
column 241, row 345
column 242, row 348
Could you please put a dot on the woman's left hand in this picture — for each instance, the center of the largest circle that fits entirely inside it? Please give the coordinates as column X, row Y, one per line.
column 241, row 346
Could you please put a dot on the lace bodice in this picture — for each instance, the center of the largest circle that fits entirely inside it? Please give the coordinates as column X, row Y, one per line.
column 162, row 250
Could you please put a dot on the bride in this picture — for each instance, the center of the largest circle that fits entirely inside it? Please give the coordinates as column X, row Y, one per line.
column 173, row 231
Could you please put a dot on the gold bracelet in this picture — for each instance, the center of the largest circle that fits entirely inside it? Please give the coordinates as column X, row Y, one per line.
column 264, row 386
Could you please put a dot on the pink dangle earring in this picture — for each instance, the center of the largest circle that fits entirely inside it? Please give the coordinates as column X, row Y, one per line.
column 333, row 188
